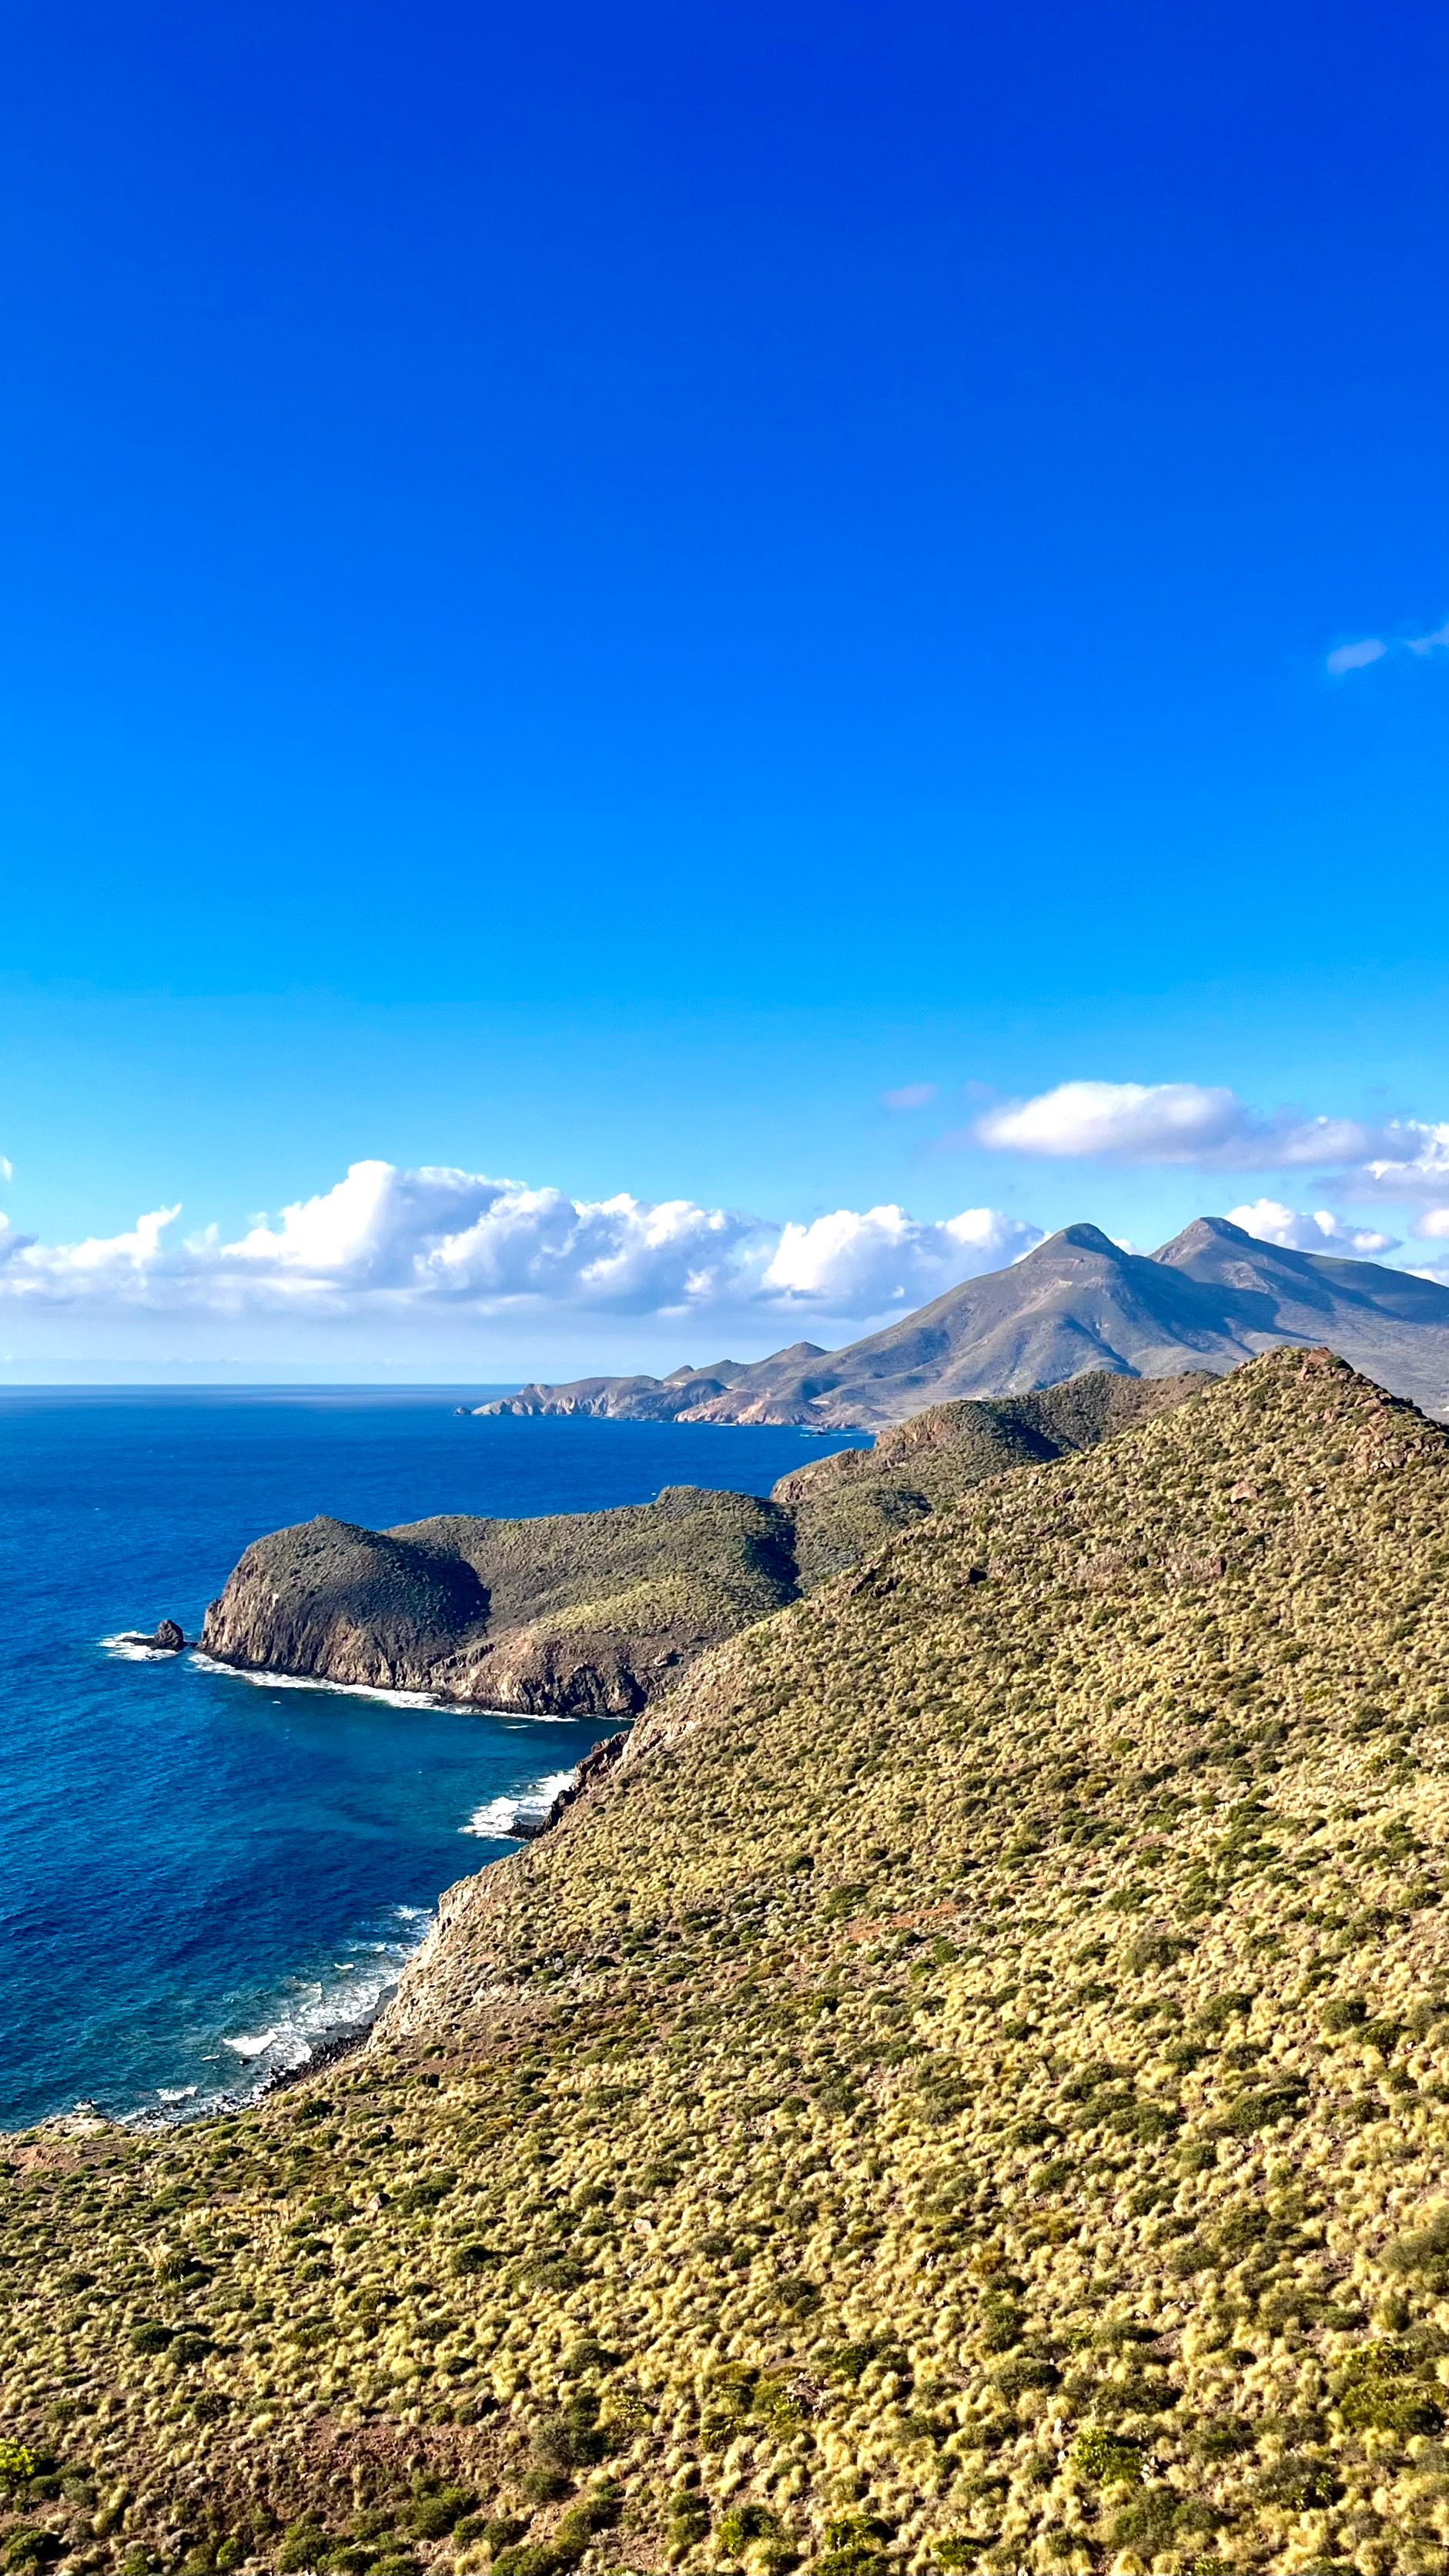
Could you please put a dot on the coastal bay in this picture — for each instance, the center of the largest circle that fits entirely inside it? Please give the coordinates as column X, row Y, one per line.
column 195, row 1862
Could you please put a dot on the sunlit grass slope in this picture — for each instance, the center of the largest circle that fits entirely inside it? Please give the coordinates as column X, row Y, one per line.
column 970, row 2089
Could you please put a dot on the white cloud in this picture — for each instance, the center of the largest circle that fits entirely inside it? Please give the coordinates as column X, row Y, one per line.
column 387, row 1242
column 1175, row 1122
column 1373, row 648
column 1413, row 1161
column 911, row 1095
column 850, row 1264
column 1355, row 657
column 1311, row 1230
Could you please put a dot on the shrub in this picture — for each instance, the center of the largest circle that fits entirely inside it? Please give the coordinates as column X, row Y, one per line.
column 151, row 2338
column 572, row 2439
column 30, row 2548
column 303, row 2545
column 1222, row 2436
column 474, row 2258
column 1161, row 2514
column 1341, row 2013
column 545, row 2486
column 1379, row 2393
column 1155, row 1950
column 1219, row 2010
column 498, row 2532
column 1022, row 2371
column 1300, row 2482
column 742, row 2524
column 434, row 2515
column 797, row 2296
column 1106, row 2458
column 1262, row 2108
column 425, row 2193
column 688, row 2519
column 17, row 2465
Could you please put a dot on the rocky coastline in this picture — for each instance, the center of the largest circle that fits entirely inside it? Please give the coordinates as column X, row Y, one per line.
column 595, row 1614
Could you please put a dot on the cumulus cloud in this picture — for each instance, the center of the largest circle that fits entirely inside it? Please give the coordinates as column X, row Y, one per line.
column 862, row 1264
column 1309, row 1230
column 384, row 1241
column 1412, row 1161
column 1175, row 1122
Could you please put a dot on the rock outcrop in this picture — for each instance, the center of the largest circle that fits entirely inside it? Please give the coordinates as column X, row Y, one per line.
column 166, row 1638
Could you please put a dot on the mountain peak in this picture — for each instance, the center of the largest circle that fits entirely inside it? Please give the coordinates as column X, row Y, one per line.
column 1080, row 1238
column 1202, row 1231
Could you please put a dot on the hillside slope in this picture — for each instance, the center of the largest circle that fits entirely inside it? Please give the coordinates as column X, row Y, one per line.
column 846, row 1506
column 970, row 2089
column 1209, row 1299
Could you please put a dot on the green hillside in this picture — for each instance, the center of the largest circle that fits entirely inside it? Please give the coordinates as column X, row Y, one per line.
column 845, row 1507
column 969, row 2089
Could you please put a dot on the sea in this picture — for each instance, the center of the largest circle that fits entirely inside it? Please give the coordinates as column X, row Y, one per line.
column 207, row 1877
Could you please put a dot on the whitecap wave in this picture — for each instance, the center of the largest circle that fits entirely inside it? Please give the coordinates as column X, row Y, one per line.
column 129, row 1650
column 508, row 1818
column 299, row 2019
column 263, row 1679
column 305, row 1682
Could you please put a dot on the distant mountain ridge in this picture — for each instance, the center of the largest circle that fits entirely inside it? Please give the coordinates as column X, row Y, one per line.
column 1211, row 1298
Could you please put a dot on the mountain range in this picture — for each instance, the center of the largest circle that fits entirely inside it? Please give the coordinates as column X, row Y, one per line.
column 1211, row 1298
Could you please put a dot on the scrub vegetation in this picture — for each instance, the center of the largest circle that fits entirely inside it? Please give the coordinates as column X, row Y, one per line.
column 968, row 2090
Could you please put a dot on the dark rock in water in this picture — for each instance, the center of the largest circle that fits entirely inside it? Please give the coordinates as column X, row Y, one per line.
column 166, row 1637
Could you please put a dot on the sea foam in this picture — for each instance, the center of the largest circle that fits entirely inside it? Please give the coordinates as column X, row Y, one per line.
column 508, row 1818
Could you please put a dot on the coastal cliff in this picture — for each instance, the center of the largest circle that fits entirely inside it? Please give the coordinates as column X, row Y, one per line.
column 593, row 1613
column 578, row 1613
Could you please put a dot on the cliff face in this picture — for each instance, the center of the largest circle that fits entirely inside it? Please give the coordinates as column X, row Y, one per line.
column 575, row 1614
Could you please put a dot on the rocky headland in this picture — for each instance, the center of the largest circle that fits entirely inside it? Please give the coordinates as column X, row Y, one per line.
column 579, row 1614
column 593, row 1613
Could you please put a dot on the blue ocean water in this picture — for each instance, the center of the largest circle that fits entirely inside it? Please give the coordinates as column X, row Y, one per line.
column 203, row 1875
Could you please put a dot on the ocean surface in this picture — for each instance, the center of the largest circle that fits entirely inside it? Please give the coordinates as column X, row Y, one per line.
column 202, row 1876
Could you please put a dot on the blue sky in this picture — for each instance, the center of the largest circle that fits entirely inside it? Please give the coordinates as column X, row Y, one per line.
column 589, row 591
